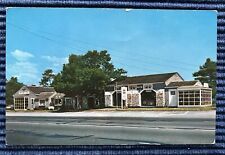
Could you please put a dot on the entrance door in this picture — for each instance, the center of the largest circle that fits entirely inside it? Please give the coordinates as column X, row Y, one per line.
column 32, row 103
column 148, row 98
column 68, row 102
column 117, row 99
column 91, row 102
column 172, row 98
column 26, row 102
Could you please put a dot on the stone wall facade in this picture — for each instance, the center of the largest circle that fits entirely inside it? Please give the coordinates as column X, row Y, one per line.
column 133, row 100
column 108, row 100
column 160, row 98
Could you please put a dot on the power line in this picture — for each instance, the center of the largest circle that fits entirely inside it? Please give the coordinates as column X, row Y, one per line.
column 115, row 50
column 150, row 63
column 44, row 37
column 40, row 36
column 142, row 60
column 59, row 43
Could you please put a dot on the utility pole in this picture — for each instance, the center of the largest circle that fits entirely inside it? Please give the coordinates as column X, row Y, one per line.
column 116, row 97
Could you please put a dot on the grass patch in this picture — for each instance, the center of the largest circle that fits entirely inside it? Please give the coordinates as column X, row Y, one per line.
column 160, row 109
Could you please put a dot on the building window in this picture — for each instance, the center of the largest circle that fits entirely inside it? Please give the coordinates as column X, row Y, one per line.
column 42, row 102
column 133, row 87
column 139, row 87
column 172, row 92
column 19, row 103
column 148, row 86
column 189, row 97
column 32, row 101
column 118, row 87
column 68, row 101
column 206, row 97
column 36, row 100
column 97, row 102
column 24, row 91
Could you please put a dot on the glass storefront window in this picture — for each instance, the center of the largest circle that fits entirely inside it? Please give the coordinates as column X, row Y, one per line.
column 189, row 97
column 193, row 97
column 206, row 97
column 19, row 103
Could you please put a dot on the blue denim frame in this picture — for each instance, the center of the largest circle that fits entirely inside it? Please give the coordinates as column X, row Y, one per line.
column 214, row 149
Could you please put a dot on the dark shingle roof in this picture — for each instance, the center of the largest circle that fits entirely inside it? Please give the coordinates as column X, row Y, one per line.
column 153, row 78
column 182, row 83
column 38, row 90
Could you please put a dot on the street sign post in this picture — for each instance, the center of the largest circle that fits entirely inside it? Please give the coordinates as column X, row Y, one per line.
column 123, row 95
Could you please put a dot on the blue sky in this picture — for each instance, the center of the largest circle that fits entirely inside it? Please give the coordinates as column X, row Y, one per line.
column 140, row 41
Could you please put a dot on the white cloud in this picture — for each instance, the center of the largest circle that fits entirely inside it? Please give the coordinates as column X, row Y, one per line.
column 23, row 68
column 128, row 10
column 21, row 55
column 56, row 61
column 25, row 71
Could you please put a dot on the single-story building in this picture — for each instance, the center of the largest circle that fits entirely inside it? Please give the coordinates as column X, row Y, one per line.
column 158, row 90
column 35, row 97
column 73, row 102
column 189, row 94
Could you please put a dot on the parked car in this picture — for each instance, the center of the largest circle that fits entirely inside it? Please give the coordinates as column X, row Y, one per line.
column 51, row 108
column 9, row 107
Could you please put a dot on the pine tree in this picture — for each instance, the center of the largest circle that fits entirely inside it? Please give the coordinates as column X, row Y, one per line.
column 47, row 78
column 207, row 74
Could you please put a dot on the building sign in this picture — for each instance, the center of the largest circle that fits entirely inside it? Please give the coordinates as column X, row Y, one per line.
column 124, row 93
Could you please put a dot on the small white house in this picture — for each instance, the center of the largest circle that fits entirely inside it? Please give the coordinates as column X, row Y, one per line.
column 33, row 97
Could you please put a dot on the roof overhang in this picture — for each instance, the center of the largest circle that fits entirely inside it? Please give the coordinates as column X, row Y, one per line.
column 193, row 88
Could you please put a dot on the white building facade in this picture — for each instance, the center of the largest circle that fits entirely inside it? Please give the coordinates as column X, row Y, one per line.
column 34, row 97
column 158, row 90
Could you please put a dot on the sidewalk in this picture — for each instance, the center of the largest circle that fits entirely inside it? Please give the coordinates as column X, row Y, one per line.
column 145, row 114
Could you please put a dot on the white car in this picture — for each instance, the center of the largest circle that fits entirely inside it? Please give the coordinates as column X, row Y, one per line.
column 9, row 107
column 51, row 108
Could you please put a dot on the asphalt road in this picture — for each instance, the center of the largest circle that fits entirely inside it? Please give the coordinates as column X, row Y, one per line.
column 108, row 131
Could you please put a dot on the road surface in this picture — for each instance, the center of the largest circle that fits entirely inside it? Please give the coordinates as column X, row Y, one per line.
column 30, row 130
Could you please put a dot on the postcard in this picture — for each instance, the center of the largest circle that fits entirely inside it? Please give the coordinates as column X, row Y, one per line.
column 95, row 76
